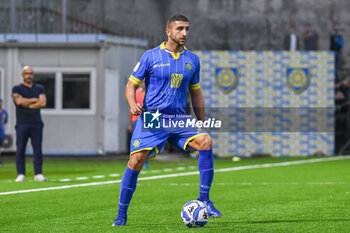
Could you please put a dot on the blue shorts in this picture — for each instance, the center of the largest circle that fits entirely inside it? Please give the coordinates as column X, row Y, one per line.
column 153, row 139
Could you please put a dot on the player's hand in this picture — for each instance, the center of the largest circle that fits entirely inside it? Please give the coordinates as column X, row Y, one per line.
column 136, row 109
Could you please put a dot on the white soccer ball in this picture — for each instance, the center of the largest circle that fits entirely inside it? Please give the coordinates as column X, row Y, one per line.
column 194, row 214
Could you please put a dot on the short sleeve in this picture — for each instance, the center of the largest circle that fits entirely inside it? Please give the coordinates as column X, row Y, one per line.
column 140, row 71
column 16, row 89
column 194, row 83
column 41, row 90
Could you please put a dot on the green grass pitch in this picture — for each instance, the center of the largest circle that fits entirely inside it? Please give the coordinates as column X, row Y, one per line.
column 311, row 197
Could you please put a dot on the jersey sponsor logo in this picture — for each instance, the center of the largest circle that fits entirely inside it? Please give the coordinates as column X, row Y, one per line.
column 226, row 79
column 176, row 80
column 161, row 65
column 188, row 66
column 298, row 79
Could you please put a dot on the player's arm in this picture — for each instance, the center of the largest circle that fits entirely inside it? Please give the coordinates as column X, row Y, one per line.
column 130, row 95
column 198, row 103
column 130, row 123
column 24, row 102
column 41, row 103
column 140, row 71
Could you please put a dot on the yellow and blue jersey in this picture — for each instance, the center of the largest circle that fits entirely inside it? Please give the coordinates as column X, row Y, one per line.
column 167, row 76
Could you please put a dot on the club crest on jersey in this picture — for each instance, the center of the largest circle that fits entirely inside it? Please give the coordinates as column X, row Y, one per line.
column 136, row 143
column 188, row 66
column 226, row 79
column 298, row 79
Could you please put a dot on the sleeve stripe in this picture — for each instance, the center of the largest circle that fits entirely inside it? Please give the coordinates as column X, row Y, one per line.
column 195, row 87
column 135, row 80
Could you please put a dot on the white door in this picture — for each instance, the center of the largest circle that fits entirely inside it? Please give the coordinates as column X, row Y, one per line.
column 112, row 107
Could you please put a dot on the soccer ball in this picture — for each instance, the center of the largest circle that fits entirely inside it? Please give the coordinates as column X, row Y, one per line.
column 194, row 214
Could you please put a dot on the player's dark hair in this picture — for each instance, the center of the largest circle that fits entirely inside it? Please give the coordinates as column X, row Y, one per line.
column 177, row 18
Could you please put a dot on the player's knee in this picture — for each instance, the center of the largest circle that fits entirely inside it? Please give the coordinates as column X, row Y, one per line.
column 136, row 161
column 205, row 142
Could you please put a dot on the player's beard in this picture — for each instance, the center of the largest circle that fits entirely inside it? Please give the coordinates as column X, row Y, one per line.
column 178, row 42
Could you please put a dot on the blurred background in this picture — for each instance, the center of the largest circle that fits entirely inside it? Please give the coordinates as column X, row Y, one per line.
column 215, row 24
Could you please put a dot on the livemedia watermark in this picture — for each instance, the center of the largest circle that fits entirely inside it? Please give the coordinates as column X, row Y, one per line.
column 157, row 120
column 246, row 120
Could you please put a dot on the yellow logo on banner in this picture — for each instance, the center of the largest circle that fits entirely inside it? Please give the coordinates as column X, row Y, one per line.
column 298, row 79
column 226, row 79
column 176, row 80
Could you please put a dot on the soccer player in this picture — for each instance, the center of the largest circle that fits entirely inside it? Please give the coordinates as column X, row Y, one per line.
column 169, row 70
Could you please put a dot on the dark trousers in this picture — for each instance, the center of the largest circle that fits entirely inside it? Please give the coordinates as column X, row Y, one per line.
column 336, row 66
column 35, row 133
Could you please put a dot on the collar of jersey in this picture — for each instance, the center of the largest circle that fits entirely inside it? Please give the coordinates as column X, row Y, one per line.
column 175, row 56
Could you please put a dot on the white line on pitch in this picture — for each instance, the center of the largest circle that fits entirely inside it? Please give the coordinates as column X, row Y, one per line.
column 155, row 171
column 64, row 180
column 98, row 176
column 250, row 184
column 82, row 178
column 183, row 174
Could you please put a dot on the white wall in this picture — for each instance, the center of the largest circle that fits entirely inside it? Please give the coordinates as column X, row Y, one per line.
column 71, row 131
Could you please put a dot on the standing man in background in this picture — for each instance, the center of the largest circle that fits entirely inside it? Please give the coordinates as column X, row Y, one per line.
column 336, row 44
column 29, row 98
column 310, row 39
column 291, row 40
column 3, row 121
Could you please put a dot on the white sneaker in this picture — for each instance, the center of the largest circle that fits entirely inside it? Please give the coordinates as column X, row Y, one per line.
column 20, row 178
column 39, row 178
